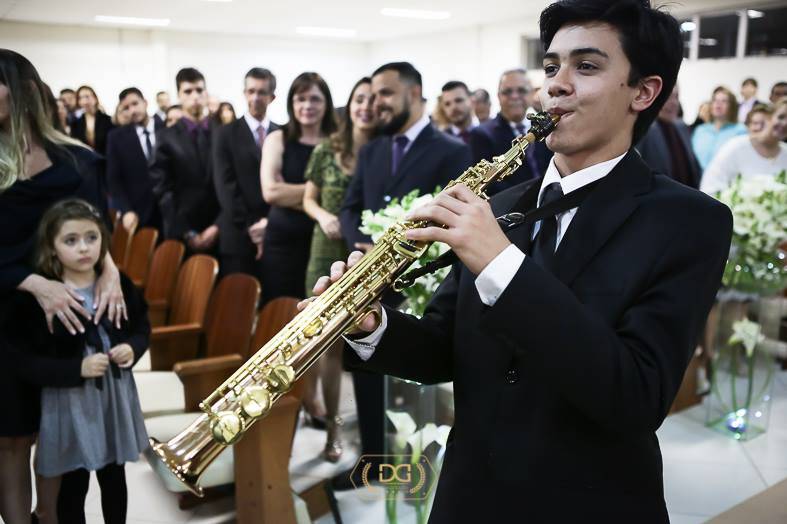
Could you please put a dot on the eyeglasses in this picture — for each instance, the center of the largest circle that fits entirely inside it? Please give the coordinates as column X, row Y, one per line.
column 509, row 91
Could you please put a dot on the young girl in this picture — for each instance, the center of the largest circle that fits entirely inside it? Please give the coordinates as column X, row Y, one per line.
column 90, row 414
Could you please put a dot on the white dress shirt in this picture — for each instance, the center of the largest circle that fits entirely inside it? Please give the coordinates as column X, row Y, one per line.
column 496, row 276
column 151, row 127
column 254, row 125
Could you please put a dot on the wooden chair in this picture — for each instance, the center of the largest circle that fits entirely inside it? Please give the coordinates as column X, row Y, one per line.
column 179, row 339
column 120, row 243
column 140, row 254
column 163, row 273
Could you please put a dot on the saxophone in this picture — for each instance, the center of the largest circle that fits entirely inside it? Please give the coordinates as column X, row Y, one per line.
column 251, row 391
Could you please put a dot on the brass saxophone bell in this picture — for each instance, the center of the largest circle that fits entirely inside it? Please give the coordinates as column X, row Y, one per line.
column 280, row 378
column 255, row 401
column 227, row 427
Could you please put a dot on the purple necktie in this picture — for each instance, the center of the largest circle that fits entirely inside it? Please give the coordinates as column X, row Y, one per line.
column 399, row 144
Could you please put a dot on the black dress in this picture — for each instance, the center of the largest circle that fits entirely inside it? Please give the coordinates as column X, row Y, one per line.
column 73, row 173
column 285, row 250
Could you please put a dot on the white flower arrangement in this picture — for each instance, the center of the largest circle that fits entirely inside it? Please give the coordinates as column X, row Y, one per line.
column 759, row 208
column 375, row 224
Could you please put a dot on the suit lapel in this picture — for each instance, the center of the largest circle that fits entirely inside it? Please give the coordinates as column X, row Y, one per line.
column 245, row 138
column 600, row 215
column 134, row 137
column 528, row 200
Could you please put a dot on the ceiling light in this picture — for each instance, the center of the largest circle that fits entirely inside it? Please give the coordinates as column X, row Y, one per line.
column 132, row 20
column 755, row 14
column 334, row 32
column 415, row 13
column 688, row 26
column 708, row 41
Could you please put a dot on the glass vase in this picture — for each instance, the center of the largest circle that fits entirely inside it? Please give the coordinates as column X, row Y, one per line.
column 741, row 374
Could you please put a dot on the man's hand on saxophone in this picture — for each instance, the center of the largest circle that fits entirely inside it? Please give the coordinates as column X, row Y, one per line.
column 372, row 320
column 471, row 228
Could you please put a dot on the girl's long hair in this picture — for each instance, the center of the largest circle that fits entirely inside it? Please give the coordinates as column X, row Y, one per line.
column 28, row 115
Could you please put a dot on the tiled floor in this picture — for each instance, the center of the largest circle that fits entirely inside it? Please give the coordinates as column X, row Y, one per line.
column 705, row 473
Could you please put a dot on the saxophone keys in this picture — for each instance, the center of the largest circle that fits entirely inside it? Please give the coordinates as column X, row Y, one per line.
column 313, row 329
column 226, row 427
column 255, row 401
column 280, row 378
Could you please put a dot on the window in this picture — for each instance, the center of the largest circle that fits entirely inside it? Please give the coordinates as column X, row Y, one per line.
column 687, row 27
column 534, row 53
column 718, row 36
column 766, row 35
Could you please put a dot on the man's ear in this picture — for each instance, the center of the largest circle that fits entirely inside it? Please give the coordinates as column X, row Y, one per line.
column 648, row 90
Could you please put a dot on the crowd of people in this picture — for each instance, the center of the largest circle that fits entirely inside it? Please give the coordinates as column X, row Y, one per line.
column 279, row 201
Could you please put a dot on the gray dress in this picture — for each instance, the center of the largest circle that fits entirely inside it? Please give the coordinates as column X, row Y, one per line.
column 86, row 427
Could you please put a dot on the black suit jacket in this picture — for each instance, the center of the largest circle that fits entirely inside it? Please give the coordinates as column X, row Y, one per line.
column 433, row 160
column 103, row 126
column 236, row 174
column 656, row 153
column 159, row 122
column 128, row 177
column 183, row 181
column 559, row 387
column 493, row 138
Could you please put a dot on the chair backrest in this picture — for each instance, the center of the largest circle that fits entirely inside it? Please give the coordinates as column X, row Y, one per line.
column 231, row 313
column 164, row 270
column 120, row 243
column 273, row 317
column 192, row 290
column 140, row 255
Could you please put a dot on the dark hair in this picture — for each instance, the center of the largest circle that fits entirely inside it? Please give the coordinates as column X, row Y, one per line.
column 732, row 104
column 765, row 109
column 651, row 40
column 130, row 91
column 778, row 84
column 66, row 90
column 407, row 73
column 46, row 262
column 453, row 84
column 751, row 81
column 216, row 117
column 172, row 107
column 161, row 93
column 187, row 74
column 483, row 94
column 260, row 73
column 51, row 106
column 342, row 140
column 304, row 82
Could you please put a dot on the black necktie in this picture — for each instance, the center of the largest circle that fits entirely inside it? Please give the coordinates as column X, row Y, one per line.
column 148, row 145
column 543, row 251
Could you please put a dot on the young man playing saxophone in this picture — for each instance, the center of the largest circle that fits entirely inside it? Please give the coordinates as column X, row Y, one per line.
column 567, row 341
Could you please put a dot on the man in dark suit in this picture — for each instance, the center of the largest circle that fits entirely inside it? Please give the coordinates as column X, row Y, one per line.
column 666, row 147
column 182, row 170
column 566, row 341
column 129, row 154
column 411, row 154
column 236, row 173
column 482, row 104
column 455, row 99
column 162, row 104
column 494, row 137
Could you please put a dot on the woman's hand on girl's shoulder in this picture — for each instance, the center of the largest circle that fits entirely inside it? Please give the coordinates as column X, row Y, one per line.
column 109, row 295
column 57, row 300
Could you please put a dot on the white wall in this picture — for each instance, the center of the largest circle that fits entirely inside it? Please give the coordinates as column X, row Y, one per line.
column 112, row 59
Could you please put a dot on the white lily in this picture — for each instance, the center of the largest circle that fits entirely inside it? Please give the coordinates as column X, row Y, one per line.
column 405, row 428
column 747, row 333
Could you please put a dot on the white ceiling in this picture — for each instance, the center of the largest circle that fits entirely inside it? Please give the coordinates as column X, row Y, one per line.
column 281, row 17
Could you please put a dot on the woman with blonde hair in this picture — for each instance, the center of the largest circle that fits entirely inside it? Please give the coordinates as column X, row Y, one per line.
column 709, row 137
column 38, row 167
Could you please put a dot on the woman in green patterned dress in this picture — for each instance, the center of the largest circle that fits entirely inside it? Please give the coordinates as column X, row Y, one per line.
column 327, row 176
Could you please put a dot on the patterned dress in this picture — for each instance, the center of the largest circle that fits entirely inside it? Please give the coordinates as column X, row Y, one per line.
column 325, row 173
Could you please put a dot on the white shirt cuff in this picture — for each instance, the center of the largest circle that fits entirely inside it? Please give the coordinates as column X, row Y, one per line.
column 365, row 346
column 496, row 276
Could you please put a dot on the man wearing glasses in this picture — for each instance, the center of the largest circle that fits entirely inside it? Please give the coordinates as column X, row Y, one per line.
column 494, row 137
